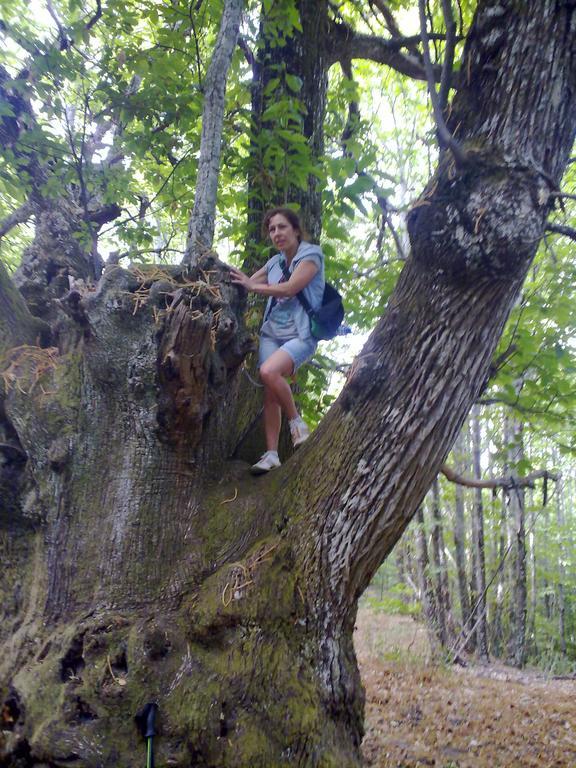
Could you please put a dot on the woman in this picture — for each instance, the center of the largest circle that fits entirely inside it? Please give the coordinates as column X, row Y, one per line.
column 285, row 339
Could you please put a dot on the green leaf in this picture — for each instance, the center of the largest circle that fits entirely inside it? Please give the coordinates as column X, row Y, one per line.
column 294, row 83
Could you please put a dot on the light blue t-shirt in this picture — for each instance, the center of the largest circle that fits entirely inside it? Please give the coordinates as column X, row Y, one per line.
column 287, row 319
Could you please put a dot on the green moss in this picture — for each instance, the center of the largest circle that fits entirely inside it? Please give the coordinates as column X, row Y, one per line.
column 247, row 698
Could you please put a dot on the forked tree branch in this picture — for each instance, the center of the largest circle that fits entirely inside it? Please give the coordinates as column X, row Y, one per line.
column 346, row 44
column 389, row 18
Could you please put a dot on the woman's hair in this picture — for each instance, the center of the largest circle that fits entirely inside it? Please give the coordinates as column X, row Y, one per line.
column 289, row 214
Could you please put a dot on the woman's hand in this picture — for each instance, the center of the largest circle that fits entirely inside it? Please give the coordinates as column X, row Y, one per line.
column 239, row 278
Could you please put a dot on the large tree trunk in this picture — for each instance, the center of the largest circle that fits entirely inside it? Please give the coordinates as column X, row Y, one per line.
column 146, row 566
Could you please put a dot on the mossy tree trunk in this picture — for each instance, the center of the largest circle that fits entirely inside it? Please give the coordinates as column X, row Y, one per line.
column 302, row 56
column 142, row 564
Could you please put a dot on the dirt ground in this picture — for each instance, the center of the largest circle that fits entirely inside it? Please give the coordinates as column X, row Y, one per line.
column 424, row 714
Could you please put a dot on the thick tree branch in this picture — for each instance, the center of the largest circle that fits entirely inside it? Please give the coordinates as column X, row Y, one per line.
column 392, row 25
column 345, row 44
column 17, row 325
column 19, row 216
column 499, row 482
column 560, row 229
column 247, row 51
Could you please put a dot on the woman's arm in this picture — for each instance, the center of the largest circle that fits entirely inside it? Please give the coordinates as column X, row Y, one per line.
column 299, row 279
column 260, row 277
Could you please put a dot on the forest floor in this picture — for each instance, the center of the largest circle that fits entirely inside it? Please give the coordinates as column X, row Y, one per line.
column 419, row 713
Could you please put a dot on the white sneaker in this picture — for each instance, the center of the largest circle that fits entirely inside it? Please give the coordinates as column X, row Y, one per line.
column 299, row 430
column 267, row 461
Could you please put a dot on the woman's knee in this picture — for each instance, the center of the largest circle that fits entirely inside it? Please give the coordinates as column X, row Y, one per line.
column 276, row 368
column 269, row 374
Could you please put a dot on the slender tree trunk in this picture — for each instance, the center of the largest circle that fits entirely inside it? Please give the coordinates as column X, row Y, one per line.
column 400, row 561
column 532, row 647
column 460, row 452
column 441, row 592
column 498, row 628
column 202, row 220
column 547, row 599
column 562, row 558
column 478, row 563
column 409, row 563
column 426, row 590
column 516, row 504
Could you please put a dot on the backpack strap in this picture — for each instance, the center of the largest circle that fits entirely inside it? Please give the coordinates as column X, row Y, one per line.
column 272, row 302
column 300, row 295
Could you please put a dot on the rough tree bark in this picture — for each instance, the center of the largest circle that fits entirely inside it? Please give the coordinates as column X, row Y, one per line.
column 145, row 565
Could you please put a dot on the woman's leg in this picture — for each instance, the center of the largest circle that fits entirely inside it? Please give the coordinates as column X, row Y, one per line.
column 277, row 395
column 272, row 420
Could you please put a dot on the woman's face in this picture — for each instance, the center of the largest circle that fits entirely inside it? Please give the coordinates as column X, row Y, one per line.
column 283, row 234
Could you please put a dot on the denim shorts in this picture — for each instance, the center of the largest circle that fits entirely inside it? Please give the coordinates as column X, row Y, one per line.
column 300, row 350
